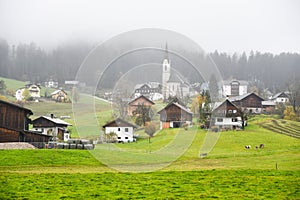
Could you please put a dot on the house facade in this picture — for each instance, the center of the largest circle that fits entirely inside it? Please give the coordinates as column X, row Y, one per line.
column 249, row 103
column 280, row 97
column 174, row 115
column 14, row 125
column 51, row 84
column 56, row 128
column 34, row 92
column 141, row 100
column 232, row 88
column 124, row 130
column 59, row 96
column 226, row 115
column 151, row 90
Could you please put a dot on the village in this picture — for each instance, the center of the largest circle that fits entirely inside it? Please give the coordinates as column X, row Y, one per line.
column 182, row 105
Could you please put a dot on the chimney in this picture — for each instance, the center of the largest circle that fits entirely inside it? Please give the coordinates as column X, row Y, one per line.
column 52, row 115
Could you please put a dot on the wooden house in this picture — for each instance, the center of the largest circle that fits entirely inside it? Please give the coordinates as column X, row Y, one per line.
column 174, row 115
column 59, row 96
column 249, row 103
column 124, row 130
column 141, row 100
column 14, row 125
column 226, row 115
column 34, row 92
column 56, row 128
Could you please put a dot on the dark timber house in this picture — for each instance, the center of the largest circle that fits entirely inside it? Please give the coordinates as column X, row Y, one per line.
column 14, row 125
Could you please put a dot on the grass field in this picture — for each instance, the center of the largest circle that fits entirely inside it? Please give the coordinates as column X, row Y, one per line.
column 228, row 172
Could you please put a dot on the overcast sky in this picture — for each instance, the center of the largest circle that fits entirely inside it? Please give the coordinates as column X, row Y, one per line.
column 228, row 26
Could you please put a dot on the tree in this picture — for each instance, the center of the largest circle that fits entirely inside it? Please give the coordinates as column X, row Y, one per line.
column 26, row 95
column 289, row 114
column 142, row 114
column 294, row 94
column 150, row 129
column 2, row 87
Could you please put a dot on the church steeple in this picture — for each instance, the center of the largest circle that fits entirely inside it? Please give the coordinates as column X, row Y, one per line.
column 166, row 72
column 166, row 52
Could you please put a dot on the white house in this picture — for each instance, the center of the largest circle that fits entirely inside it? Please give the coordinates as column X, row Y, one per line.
column 280, row 97
column 51, row 84
column 57, row 128
column 124, row 130
column 234, row 87
column 34, row 92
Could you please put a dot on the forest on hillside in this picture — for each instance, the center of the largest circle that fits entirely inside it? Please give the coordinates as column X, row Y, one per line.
column 28, row 62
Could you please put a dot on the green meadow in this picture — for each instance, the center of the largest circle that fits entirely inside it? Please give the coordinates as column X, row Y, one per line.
column 229, row 171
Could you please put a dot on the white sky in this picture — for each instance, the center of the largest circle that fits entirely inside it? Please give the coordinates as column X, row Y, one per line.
column 228, row 26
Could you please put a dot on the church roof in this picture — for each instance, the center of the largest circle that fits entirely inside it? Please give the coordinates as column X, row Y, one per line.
column 174, row 78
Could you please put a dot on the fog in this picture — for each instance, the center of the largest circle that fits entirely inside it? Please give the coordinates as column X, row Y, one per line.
column 229, row 26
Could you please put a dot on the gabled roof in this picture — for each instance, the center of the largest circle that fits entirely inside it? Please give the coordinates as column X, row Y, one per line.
column 241, row 82
column 119, row 123
column 280, row 94
column 241, row 97
column 17, row 106
column 178, row 105
column 57, row 91
column 54, row 120
column 142, row 96
column 220, row 104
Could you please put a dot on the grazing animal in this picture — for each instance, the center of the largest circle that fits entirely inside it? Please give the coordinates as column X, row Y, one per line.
column 261, row 146
column 248, row 147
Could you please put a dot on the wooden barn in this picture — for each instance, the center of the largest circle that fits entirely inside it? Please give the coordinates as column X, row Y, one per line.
column 141, row 100
column 14, row 125
column 174, row 115
column 59, row 96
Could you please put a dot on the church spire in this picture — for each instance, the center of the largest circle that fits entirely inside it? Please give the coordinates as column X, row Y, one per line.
column 166, row 52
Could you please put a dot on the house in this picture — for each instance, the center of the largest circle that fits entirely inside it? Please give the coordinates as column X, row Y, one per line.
column 280, row 97
column 141, row 100
column 249, row 103
column 124, row 130
column 34, row 92
column 226, row 115
column 51, row 84
column 268, row 106
column 232, row 88
column 174, row 115
column 59, row 96
column 14, row 125
column 56, row 128
column 151, row 90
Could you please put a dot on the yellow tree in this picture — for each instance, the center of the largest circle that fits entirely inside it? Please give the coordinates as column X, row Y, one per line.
column 198, row 105
column 289, row 114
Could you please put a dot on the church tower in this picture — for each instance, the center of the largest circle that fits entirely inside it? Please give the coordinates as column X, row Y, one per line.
column 166, row 72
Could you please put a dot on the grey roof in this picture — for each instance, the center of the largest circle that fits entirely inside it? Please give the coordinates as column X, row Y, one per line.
column 268, row 103
column 55, row 120
column 228, row 82
column 174, row 78
column 279, row 94
column 241, row 97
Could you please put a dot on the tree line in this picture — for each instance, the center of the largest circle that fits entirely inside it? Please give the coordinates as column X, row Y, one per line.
column 28, row 62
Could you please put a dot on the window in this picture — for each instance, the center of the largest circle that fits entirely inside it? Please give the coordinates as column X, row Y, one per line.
column 126, row 138
column 119, row 129
column 234, row 120
column 126, row 129
column 219, row 119
column 229, row 111
column 119, row 138
column 234, row 111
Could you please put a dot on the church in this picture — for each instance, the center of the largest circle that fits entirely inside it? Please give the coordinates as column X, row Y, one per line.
column 172, row 84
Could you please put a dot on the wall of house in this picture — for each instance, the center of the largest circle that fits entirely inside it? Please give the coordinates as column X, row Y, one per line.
column 228, row 122
column 123, row 135
column 243, row 89
column 281, row 100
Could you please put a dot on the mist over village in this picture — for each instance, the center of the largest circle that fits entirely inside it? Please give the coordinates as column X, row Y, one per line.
column 152, row 100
